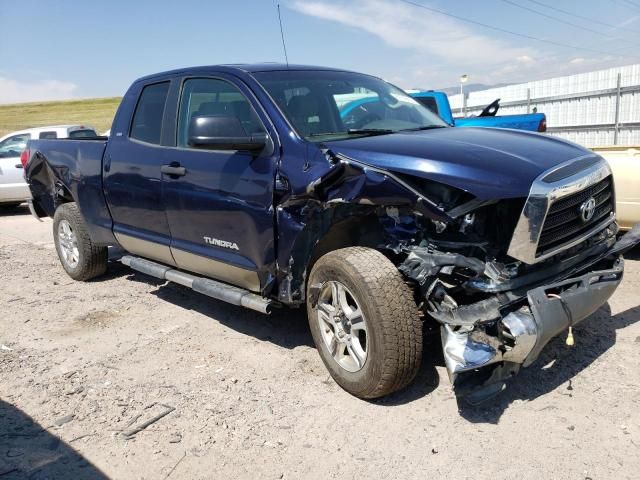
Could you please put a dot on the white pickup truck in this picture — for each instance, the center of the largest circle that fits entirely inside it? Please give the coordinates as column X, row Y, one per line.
column 13, row 188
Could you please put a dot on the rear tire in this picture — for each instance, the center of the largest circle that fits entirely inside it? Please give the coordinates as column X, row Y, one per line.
column 387, row 356
column 79, row 256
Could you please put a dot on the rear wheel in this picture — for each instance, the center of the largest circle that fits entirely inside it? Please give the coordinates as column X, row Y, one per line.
column 364, row 322
column 79, row 256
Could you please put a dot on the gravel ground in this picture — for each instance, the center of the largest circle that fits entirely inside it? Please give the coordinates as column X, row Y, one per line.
column 85, row 365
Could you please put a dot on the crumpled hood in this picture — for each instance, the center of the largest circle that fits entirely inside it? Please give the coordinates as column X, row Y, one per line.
column 486, row 162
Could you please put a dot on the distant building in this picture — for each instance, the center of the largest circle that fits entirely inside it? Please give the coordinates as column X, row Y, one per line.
column 587, row 108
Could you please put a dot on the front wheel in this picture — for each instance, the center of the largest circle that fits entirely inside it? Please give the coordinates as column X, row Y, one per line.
column 79, row 256
column 364, row 322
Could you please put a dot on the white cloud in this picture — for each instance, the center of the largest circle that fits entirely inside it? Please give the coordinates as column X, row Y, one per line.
column 403, row 26
column 13, row 91
column 525, row 59
column 438, row 48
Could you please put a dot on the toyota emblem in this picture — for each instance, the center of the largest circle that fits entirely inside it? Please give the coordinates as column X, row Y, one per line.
column 587, row 209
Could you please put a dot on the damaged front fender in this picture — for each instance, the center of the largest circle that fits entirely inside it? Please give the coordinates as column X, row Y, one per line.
column 350, row 199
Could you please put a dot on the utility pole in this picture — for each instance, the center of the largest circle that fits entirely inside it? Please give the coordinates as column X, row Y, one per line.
column 616, row 128
column 463, row 79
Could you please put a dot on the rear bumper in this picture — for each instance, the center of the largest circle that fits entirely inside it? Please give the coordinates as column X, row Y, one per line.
column 481, row 357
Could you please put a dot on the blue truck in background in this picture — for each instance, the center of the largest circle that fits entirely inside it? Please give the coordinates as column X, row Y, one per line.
column 438, row 103
column 248, row 184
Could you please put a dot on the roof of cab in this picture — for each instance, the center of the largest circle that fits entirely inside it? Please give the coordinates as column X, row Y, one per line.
column 34, row 130
column 237, row 68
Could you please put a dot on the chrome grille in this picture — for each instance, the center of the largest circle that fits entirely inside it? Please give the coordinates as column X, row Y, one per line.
column 563, row 221
column 551, row 219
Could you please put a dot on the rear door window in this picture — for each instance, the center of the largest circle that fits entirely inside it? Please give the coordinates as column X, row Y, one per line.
column 47, row 135
column 430, row 103
column 85, row 133
column 147, row 119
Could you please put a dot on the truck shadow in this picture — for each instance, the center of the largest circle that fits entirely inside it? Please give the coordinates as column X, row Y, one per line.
column 27, row 450
column 287, row 328
column 16, row 211
column 556, row 365
column 633, row 254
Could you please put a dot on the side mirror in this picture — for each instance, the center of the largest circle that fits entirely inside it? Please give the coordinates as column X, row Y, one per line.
column 223, row 132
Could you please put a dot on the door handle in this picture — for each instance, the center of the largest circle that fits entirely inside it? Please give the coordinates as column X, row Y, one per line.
column 175, row 170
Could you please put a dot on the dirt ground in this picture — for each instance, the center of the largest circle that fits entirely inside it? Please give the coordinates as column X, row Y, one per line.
column 84, row 365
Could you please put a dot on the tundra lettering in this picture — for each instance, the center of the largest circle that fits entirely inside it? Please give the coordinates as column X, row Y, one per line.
column 221, row 243
column 386, row 225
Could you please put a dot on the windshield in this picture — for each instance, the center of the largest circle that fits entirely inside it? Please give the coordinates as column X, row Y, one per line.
column 329, row 105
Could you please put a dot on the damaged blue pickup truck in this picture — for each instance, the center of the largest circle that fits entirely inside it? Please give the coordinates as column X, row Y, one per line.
column 242, row 182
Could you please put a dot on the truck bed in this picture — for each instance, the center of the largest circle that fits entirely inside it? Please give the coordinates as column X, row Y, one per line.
column 71, row 169
column 529, row 121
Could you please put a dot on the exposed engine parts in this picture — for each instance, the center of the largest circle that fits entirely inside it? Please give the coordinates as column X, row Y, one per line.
column 487, row 337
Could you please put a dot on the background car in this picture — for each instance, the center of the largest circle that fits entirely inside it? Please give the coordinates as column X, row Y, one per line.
column 624, row 162
column 13, row 188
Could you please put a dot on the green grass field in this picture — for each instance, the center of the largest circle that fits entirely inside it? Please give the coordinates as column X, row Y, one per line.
column 97, row 112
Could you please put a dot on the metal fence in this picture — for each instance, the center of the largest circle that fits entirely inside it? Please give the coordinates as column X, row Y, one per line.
column 595, row 108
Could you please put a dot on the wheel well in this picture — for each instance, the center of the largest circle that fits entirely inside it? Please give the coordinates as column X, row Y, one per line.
column 60, row 196
column 358, row 231
column 62, row 193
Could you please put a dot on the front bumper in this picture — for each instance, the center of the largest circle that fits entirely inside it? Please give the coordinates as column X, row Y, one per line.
column 480, row 360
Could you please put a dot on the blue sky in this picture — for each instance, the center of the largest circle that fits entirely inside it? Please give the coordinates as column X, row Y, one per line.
column 68, row 49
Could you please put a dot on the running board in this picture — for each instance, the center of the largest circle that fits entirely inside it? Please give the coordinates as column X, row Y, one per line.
column 217, row 290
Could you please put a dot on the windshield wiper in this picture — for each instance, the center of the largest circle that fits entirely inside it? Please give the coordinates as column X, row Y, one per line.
column 425, row 127
column 322, row 134
column 371, row 131
column 357, row 131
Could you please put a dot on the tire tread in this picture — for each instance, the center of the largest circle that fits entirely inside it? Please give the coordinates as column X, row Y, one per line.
column 395, row 308
column 93, row 258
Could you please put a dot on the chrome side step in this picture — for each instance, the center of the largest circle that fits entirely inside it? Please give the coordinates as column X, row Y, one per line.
column 212, row 288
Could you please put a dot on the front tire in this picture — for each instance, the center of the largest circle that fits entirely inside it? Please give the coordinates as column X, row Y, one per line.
column 364, row 322
column 79, row 256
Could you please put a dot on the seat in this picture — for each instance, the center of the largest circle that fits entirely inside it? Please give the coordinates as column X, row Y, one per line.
column 210, row 108
column 305, row 114
column 243, row 112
